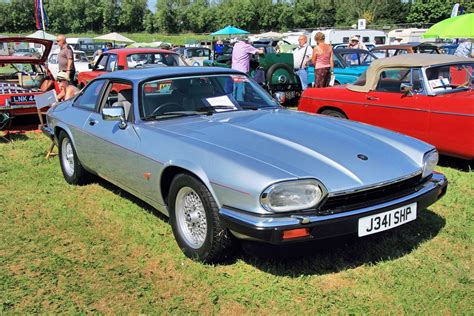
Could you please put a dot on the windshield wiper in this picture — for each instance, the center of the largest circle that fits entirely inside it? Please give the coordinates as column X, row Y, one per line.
column 176, row 114
column 256, row 107
column 209, row 109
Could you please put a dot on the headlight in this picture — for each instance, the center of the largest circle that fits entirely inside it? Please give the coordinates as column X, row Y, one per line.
column 430, row 160
column 292, row 195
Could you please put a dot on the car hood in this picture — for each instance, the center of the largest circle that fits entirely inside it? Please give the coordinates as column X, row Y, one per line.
column 47, row 44
column 305, row 145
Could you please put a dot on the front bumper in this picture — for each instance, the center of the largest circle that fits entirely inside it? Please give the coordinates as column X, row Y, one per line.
column 270, row 229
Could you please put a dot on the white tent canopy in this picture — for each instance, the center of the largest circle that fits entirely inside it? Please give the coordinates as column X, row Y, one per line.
column 42, row 34
column 114, row 36
column 274, row 35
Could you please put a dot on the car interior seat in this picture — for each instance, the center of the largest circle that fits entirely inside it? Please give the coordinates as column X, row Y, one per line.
column 125, row 99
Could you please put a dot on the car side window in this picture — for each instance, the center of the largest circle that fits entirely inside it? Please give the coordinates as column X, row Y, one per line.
column 102, row 62
column 417, row 80
column 391, row 79
column 119, row 94
column 89, row 98
column 112, row 63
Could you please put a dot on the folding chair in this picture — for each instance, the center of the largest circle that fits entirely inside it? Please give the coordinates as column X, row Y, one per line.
column 42, row 101
column 5, row 122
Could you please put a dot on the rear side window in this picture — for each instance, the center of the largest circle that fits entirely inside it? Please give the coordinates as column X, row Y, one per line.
column 89, row 98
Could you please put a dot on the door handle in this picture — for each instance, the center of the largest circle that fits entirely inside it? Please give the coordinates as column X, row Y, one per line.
column 372, row 98
column 92, row 122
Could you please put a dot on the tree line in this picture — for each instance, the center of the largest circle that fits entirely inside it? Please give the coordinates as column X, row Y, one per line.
column 205, row 16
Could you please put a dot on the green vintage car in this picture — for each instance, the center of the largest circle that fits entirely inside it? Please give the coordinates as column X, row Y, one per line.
column 277, row 69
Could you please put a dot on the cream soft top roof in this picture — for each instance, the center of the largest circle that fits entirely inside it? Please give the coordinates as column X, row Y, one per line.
column 404, row 61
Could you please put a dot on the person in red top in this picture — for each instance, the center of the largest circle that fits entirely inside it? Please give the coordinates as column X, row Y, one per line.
column 323, row 61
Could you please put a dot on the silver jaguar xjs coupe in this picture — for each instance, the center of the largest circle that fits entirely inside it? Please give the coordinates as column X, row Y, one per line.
column 209, row 148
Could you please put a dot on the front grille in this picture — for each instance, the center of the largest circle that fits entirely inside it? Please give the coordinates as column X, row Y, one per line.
column 378, row 195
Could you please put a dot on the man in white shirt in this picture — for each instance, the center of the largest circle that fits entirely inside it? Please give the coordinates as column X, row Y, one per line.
column 301, row 55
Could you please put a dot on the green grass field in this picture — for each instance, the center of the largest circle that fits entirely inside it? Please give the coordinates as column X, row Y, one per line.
column 95, row 248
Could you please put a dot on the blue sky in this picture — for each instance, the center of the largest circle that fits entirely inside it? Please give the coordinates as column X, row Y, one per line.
column 152, row 5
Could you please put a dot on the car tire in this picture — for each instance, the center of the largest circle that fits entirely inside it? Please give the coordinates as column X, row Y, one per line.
column 334, row 113
column 291, row 77
column 71, row 167
column 194, row 218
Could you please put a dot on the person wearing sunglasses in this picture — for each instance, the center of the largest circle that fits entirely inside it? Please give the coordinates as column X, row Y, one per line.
column 66, row 57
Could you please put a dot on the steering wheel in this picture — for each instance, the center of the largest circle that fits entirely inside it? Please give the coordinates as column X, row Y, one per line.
column 176, row 106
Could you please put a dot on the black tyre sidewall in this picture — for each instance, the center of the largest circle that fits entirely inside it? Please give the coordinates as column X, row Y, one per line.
column 211, row 250
column 78, row 176
column 334, row 113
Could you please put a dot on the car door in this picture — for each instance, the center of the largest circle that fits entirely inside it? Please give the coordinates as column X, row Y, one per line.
column 388, row 107
column 84, row 105
column 114, row 149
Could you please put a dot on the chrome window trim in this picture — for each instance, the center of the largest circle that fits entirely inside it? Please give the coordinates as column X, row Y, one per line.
column 374, row 186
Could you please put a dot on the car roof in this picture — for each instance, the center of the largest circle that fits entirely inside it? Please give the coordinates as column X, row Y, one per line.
column 404, row 61
column 127, row 51
column 137, row 75
column 404, row 46
column 349, row 50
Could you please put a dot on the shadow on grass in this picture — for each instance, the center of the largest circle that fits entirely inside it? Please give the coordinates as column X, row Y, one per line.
column 147, row 207
column 324, row 256
column 13, row 137
column 339, row 254
column 456, row 163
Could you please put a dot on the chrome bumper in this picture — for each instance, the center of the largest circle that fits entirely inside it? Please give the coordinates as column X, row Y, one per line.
column 269, row 228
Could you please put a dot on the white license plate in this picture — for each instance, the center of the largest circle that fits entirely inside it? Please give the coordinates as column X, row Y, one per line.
column 387, row 220
column 290, row 94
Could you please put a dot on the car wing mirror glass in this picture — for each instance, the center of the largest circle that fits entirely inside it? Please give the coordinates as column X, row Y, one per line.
column 406, row 89
column 116, row 113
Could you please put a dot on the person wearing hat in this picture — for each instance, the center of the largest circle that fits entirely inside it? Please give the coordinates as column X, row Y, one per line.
column 67, row 90
column 355, row 43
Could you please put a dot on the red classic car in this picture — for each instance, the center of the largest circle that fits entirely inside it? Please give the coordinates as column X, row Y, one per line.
column 22, row 76
column 130, row 58
column 429, row 97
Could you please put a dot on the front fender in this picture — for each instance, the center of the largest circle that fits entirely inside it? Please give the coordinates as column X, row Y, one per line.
column 194, row 169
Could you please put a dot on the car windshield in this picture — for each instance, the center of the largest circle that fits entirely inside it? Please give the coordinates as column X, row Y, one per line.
column 198, row 52
column 202, row 95
column 449, row 78
column 139, row 60
column 357, row 59
column 21, row 49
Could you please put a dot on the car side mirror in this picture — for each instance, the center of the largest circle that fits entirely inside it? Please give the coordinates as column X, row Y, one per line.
column 116, row 113
column 406, row 89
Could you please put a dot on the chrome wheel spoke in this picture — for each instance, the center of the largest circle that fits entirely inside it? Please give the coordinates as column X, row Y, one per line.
column 191, row 217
